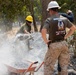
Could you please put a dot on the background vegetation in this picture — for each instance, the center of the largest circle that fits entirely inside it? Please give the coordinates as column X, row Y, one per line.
column 17, row 10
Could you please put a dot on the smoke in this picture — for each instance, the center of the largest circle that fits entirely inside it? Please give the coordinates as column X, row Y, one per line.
column 11, row 53
column 3, row 68
column 14, row 52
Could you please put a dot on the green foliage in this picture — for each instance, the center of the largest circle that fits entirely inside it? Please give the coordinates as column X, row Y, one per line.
column 11, row 9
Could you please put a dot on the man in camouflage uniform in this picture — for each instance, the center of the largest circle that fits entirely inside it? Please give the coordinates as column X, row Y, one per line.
column 26, row 28
column 56, row 25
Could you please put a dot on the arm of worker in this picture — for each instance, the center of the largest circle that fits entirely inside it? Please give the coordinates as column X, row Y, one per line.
column 70, row 32
column 63, row 14
column 45, row 30
column 44, row 33
column 26, row 32
column 70, row 16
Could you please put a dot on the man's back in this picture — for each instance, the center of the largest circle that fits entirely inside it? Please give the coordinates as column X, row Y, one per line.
column 56, row 25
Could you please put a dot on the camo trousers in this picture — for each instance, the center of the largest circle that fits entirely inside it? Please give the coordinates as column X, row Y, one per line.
column 57, row 51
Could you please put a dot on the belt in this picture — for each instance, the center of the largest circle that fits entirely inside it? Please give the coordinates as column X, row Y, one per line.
column 54, row 41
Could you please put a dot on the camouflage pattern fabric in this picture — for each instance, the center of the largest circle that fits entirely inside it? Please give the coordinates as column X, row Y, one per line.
column 57, row 50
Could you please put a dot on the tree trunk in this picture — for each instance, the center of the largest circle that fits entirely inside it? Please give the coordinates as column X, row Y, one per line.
column 44, row 11
column 32, row 13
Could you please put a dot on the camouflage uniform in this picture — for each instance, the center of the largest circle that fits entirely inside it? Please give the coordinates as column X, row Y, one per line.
column 58, row 48
column 55, row 51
